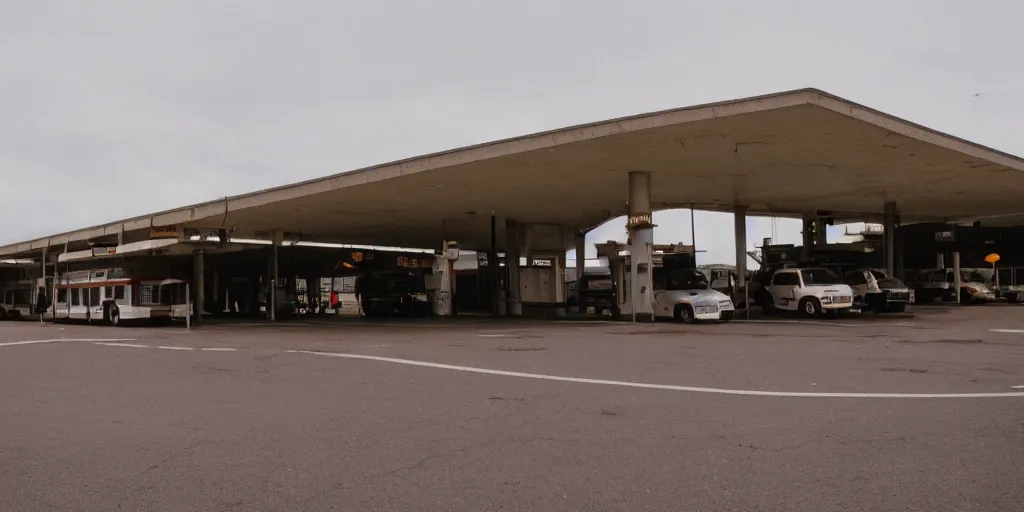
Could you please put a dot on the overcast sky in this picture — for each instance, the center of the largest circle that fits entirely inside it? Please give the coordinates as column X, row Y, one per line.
column 114, row 108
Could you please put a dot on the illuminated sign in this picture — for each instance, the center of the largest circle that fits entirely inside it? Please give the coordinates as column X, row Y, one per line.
column 407, row 262
column 992, row 258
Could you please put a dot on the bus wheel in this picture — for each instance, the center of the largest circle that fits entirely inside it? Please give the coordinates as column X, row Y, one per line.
column 113, row 316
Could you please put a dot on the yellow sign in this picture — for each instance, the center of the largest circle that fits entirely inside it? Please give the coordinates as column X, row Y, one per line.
column 357, row 256
column 992, row 258
column 163, row 232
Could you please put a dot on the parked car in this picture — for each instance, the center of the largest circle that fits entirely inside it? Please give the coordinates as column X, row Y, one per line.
column 938, row 285
column 878, row 292
column 811, row 291
column 686, row 296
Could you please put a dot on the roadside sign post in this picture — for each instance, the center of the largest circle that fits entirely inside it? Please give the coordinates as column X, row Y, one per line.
column 993, row 259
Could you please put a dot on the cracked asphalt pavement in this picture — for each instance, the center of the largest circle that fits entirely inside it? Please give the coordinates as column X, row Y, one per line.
column 156, row 424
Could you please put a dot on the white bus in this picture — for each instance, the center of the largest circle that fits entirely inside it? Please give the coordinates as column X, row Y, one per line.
column 110, row 296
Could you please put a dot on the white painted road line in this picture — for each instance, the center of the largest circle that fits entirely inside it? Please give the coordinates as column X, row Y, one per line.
column 31, row 342
column 667, row 387
column 133, row 345
column 219, row 349
column 799, row 322
column 176, row 348
column 1012, row 331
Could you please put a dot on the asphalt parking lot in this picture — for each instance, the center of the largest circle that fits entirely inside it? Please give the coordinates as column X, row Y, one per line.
column 922, row 412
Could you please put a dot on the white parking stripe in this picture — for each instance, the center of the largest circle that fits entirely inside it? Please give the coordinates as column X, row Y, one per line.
column 219, row 349
column 1012, row 331
column 133, row 345
column 176, row 348
column 668, row 387
column 31, row 342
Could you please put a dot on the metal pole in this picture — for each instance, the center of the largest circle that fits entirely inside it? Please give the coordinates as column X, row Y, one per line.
column 693, row 236
column 188, row 309
column 632, row 287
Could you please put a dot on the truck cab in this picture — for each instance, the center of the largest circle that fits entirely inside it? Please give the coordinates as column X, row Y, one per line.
column 812, row 291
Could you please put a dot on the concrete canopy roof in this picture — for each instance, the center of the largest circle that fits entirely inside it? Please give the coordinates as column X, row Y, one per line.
column 781, row 154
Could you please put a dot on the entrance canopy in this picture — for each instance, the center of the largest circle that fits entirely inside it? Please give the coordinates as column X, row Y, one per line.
column 782, row 154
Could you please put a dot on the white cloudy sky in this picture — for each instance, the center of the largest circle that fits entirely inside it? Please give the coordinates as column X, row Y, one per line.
column 112, row 108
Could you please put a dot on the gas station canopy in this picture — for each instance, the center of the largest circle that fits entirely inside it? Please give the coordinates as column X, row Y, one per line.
column 783, row 154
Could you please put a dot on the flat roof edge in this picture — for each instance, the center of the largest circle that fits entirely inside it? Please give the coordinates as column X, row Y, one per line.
column 521, row 144
column 915, row 131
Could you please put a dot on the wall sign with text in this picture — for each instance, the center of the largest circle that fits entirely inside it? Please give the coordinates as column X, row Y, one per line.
column 640, row 220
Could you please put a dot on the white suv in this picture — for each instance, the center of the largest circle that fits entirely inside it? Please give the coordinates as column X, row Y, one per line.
column 811, row 291
column 686, row 296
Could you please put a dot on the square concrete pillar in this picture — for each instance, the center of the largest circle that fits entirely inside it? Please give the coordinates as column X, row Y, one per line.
column 199, row 285
column 740, row 232
column 956, row 275
column 807, row 240
column 820, row 233
column 889, row 243
column 560, row 295
column 278, row 239
column 581, row 254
